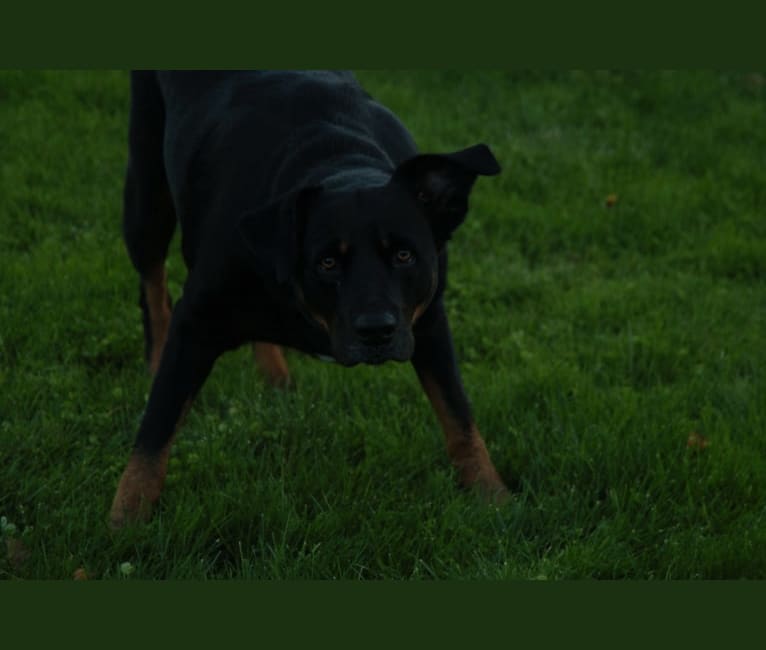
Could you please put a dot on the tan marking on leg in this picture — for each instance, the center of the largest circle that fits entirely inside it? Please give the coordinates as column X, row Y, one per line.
column 418, row 312
column 421, row 308
column 467, row 450
column 156, row 290
column 141, row 483
column 271, row 362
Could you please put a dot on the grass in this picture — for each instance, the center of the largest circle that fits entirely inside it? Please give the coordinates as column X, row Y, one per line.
column 614, row 354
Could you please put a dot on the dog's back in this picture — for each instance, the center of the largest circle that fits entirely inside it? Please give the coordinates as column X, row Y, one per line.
column 256, row 129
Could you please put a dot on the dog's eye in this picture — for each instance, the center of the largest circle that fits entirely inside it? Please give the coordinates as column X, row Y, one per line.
column 404, row 257
column 328, row 263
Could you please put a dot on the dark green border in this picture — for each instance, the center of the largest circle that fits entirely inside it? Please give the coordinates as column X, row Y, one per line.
column 405, row 35
column 418, row 35
column 518, row 614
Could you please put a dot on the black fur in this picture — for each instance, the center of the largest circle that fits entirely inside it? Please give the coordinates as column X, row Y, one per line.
column 308, row 219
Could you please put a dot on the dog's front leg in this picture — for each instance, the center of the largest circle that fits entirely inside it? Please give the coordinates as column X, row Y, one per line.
column 435, row 364
column 187, row 359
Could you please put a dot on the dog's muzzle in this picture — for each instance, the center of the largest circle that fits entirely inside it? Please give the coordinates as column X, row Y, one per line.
column 375, row 338
column 375, row 330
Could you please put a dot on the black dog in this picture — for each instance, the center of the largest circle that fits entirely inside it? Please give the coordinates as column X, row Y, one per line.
column 308, row 220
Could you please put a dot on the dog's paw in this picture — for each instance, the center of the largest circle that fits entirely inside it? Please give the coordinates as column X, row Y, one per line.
column 492, row 489
column 129, row 511
column 477, row 472
column 137, row 492
column 272, row 364
column 281, row 382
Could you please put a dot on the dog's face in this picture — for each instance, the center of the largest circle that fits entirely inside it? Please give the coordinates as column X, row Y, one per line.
column 368, row 268
column 363, row 263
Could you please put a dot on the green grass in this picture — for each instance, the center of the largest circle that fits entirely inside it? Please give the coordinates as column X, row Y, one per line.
column 593, row 341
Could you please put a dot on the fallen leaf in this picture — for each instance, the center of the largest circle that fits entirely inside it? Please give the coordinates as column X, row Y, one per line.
column 18, row 553
column 697, row 441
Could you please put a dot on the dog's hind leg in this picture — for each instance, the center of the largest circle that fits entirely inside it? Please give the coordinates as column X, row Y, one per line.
column 434, row 362
column 149, row 218
column 271, row 362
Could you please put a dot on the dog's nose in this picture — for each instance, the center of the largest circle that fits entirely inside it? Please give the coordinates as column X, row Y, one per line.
column 375, row 329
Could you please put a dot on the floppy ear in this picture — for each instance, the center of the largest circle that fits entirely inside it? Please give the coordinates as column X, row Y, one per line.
column 272, row 234
column 441, row 184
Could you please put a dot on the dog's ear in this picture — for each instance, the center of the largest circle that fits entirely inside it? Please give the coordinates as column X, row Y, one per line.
column 272, row 234
column 441, row 184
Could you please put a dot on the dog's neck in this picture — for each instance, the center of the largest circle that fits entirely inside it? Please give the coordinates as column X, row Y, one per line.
column 354, row 172
column 339, row 158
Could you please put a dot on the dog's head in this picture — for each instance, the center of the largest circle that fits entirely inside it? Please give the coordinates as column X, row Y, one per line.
column 363, row 263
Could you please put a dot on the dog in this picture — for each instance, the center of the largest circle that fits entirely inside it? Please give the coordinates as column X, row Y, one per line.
column 309, row 220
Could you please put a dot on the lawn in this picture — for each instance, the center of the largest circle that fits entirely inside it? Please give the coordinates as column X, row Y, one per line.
column 608, row 305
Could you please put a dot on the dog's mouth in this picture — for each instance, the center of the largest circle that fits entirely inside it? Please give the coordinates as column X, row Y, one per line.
column 374, row 355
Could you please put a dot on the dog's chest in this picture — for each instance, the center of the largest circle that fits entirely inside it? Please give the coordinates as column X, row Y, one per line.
column 283, row 326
